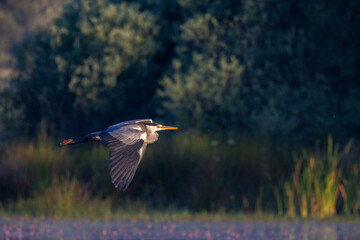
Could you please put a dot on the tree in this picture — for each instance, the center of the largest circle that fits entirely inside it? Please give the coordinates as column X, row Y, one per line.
column 284, row 68
column 300, row 70
column 91, row 67
column 207, row 94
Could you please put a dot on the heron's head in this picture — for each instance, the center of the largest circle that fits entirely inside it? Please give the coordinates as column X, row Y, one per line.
column 154, row 127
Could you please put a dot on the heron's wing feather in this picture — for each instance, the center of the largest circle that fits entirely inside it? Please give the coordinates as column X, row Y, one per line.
column 142, row 151
column 126, row 150
column 119, row 125
column 128, row 134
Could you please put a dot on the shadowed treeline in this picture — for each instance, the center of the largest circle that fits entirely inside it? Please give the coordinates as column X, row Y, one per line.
column 256, row 87
column 265, row 68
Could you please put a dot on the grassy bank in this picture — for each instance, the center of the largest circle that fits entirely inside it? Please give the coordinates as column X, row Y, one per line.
column 204, row 175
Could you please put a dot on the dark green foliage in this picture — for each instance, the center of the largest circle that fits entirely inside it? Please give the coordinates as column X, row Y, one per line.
column 93, row 64
column 214, row 103
column 288, row 69
column 300, row 74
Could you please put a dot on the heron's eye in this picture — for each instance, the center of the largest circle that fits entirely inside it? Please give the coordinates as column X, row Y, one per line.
column 159, row 126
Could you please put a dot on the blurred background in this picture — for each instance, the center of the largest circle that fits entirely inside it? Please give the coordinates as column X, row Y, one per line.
column 266, row 95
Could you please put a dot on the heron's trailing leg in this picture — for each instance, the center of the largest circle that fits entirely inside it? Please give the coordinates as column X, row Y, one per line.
column 67, row 142
column 90, row 137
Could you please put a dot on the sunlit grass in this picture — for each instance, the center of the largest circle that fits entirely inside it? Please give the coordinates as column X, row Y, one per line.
column 63, row 198
column 315, row 185
column 183, row 176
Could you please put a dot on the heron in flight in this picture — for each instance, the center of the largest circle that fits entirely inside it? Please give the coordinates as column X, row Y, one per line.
column 127, row 142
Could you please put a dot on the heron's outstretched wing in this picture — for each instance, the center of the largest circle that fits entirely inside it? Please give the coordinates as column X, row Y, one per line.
column 126, row 150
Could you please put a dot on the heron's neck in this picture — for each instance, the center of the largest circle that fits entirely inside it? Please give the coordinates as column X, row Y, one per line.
column 152, row 137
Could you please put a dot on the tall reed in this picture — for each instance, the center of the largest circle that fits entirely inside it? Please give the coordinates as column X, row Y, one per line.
column 315, row 185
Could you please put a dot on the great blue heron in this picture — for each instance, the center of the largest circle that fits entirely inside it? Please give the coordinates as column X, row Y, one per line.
column 127, row 142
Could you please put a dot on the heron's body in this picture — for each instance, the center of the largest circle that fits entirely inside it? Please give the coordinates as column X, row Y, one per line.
column 127, row 142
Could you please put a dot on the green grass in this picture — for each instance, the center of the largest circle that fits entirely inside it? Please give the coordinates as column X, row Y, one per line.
column 185, row 176
column 315, row 185
column 63, row 198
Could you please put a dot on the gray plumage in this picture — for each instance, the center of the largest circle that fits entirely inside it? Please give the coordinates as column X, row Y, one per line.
column 127, row 142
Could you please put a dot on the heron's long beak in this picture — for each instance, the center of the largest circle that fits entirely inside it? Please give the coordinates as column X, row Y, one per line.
column 168, row 128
